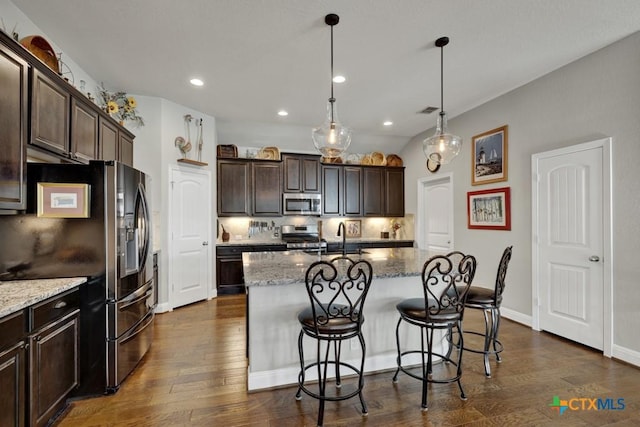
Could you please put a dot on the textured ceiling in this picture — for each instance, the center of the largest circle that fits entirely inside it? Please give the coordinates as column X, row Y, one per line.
column 258, row 56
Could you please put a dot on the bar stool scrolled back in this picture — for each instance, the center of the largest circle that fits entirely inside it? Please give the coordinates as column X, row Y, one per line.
column 445, row 281
column 337, row 290
column 489, row 301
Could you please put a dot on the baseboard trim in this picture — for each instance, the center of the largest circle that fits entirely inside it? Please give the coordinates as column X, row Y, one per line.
column 163, row 308
column 516, row 316
column 626, row 355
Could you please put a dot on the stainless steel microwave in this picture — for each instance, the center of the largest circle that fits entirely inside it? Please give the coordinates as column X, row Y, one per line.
column 301, row 204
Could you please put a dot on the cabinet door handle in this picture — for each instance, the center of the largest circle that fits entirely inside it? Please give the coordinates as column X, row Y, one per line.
column 60, row 304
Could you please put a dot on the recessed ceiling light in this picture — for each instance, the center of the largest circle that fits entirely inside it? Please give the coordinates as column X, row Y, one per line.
column 283, row 113
column 339, row 79
column 196, row 82
column 387, row 123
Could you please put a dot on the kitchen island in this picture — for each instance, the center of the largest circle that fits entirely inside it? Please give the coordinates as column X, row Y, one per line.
column 276, row 293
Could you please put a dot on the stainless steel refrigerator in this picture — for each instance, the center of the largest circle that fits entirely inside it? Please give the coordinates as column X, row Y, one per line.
column 111, row 245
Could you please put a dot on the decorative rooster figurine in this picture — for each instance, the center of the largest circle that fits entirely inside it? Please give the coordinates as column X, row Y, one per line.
column 184, row 146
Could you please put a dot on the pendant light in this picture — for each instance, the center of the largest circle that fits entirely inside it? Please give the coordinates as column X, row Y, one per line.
column 442, row 147
column 331, row 139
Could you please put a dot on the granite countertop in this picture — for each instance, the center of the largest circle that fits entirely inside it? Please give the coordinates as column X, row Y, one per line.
column 18, row 294
column 277, row 241
column 281, row 268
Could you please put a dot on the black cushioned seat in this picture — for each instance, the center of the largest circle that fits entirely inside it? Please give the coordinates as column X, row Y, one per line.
column 445, row 282
column 489, row 301
column 337, row 290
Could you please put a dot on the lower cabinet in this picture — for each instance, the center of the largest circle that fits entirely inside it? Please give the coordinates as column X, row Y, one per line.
column 53, row 368
column 39, row 360
column 229, row 272
column 13, row 370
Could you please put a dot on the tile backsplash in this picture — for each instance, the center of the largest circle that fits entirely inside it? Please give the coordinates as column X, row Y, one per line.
column 370, row 228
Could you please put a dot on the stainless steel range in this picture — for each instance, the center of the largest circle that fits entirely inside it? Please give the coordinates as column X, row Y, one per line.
column 303, row 237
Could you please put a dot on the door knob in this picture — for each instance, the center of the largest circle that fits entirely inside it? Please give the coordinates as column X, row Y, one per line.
column 594, row 258
column 205, row 243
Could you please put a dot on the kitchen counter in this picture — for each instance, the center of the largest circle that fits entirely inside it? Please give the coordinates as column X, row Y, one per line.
column 281, row 268
column 276, row 293
column 18, row 294
column 277, row 241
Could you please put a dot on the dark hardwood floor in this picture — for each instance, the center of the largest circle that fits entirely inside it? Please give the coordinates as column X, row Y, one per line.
column 195, row 374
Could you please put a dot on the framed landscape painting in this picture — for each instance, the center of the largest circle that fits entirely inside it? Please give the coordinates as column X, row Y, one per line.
column 489, row 209
column 489, row 162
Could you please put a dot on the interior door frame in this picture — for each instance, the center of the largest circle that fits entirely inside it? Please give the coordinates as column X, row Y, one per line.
column 607, row 238
column 211, row 291
column 421, row 227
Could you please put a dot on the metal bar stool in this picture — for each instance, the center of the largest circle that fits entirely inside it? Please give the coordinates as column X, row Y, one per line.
column 489, row 300
column 337, row 290
column 446, row 280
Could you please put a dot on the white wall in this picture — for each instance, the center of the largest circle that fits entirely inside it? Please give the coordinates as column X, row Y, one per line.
column 595, row 97
column 289, row 137
column 154, row 151
column 13, row 18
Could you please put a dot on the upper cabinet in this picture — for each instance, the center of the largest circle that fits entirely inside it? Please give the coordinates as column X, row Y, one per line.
column 84, row 132
column 50, row 108
column 301, row 173
column 13, row 128
column 249, row 187
column 43, row 112
column 343, row 192
column 384, row 190
column 267, row 188
column 233, row 187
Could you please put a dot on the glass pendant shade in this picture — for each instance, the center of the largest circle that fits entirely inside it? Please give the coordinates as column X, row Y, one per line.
column 331, row 139
column 442, row 147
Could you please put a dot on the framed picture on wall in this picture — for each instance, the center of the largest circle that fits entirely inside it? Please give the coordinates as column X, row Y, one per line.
column 489, row 160
column 57, row 200
column 353, row 227
column 489, row 209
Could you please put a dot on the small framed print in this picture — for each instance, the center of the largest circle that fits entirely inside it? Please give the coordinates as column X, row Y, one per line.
column 57, row 200
column 489, row 209
column 353, row 227
column 489, row 162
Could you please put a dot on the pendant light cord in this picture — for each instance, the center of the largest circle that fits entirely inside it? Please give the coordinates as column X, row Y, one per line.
column 441, row 80
column 332, row 99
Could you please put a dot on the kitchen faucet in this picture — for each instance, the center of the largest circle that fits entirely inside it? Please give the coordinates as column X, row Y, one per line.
column 344, row 236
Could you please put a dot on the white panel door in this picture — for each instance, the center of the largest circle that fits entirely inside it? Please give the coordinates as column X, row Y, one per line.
column 436, row 214
column 570, row 245
column 190, row 235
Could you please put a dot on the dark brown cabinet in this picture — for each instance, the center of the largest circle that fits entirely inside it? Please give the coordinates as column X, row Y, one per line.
column 233, row 187
column 125, row 148
column 44, row 114
column 267, row 188
column 342, row 193
column 13, row 370
column 353, row 191
column 108, row 139
column 13, row 128
column 374, row 191
column 301, row 173
column 39, row 360
column 53, row 355
column 333, row 196
column 383, row 191
column 249, row 187
column 84, row 132
column 229, row 272
column 50, row 107
column 394, row 192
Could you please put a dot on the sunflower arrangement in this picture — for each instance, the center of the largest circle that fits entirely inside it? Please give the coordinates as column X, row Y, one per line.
column 120, row 106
